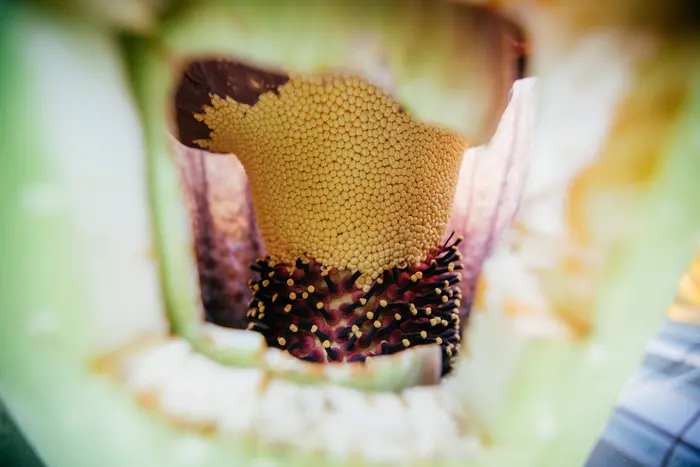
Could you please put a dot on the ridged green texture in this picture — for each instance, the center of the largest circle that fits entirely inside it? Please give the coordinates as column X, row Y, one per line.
column 150, row 80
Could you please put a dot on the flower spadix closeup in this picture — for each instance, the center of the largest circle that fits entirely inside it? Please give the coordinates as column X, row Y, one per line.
column 352, row 197
column 320, row 233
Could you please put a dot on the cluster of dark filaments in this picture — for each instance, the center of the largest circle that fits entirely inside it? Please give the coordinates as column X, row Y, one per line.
column 323, row 315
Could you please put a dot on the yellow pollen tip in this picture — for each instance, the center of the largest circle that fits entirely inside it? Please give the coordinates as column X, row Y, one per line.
column 293, row 327
column 282, row 341
column 292, row 296
column 405, row 342
column 274, row 297
column 287, row 308
column 290, row 282
column 423, row 334
column 363, row 301
column 319, row 305
column 326, row 344
column 369, row 315
column 377, row 324
column 311, row 289
column 383, row 303
column 314, row 328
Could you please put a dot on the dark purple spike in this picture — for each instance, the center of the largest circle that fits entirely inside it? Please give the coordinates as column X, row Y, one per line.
column 351, row 280
column 332, row 288
column 334, row 354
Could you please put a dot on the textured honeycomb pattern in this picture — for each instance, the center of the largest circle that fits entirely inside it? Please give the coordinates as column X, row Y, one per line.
column 339, row 172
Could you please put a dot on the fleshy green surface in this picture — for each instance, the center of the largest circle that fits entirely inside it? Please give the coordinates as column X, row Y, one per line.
column 171, row 222
column 641, row 283
column 76, row 417
column 71, row 415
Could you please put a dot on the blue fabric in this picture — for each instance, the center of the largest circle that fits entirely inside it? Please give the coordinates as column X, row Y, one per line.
column 657, row 420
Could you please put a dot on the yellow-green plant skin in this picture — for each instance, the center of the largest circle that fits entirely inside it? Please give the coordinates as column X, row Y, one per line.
column 76, row 417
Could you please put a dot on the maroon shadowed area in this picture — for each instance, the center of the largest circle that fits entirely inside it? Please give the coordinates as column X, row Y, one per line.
column 226, row 238
column 224, row 78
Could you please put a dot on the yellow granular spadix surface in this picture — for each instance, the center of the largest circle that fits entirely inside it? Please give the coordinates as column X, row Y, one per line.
column 339, row 172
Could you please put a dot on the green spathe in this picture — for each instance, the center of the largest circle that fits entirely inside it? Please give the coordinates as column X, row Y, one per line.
column 52, row 324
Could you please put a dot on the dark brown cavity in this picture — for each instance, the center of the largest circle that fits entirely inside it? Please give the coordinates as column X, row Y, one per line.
column 224, row 78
